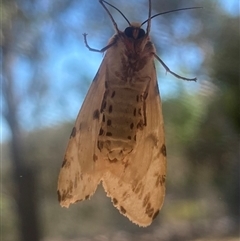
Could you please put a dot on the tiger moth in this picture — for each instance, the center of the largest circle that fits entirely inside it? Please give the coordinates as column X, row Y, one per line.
column 118, row 137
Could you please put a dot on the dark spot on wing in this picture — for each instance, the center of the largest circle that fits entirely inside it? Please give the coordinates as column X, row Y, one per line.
column 95, row 157
column 149, row 210
column 109, row 134
column 131, row 126
column 135, row 138
column 73, row 133
column 64, row 195
column 160, row 180
column 96, row 114
column 129, row 138
column 115, row 201
column 113, row 94
column 104, row 104
column 140, row 111
column 109, row 122
column 140, row 125
column 144, row 113
column 134, row 111
column 123, row 210
column 110, row 109
column 164, row 150
column 155, row 214
column 146, row 199
column 126, row 165
column 101, row 132
column 103, row 118
column 100, row 145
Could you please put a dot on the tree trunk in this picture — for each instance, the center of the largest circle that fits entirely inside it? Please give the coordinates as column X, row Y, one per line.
column 23, row 175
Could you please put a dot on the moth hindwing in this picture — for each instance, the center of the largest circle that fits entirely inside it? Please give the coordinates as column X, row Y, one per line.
column 118, row 137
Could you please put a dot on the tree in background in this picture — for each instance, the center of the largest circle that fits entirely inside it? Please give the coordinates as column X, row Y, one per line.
column 24, row 48
column 23, row 174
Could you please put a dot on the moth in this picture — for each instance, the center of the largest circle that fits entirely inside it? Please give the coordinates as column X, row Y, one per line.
column 118, row 138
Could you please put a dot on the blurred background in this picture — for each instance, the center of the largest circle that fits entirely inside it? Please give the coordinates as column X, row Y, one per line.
column 46, row 72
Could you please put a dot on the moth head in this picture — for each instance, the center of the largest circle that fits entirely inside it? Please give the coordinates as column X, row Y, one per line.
column 134, row 31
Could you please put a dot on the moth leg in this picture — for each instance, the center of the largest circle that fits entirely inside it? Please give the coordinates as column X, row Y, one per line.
column 97, row 50
column 168, row 70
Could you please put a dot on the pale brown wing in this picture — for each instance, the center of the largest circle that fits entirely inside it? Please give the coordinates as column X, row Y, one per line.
column 137, row 188
column 80, row 173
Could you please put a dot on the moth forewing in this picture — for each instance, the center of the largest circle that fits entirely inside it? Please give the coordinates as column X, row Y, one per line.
column 80, row 173
column 118, row 137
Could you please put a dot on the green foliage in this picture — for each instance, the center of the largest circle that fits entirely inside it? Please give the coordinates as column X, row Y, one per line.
column 226, row 70
column 217, row 143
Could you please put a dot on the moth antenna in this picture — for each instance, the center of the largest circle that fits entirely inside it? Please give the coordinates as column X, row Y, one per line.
column 114, row 23
column 149, row 18
column 171, row 11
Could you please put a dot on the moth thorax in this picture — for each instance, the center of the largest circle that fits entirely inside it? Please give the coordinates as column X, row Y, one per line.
column 136, row 24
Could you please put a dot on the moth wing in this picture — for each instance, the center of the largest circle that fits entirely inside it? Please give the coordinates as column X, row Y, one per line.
column 80, row 173
column 137, row 185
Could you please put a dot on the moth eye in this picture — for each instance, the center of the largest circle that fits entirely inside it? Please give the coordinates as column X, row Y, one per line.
column 141, row 33
column 128, row 31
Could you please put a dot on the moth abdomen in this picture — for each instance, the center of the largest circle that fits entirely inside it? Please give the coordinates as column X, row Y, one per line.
column 122, row 116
